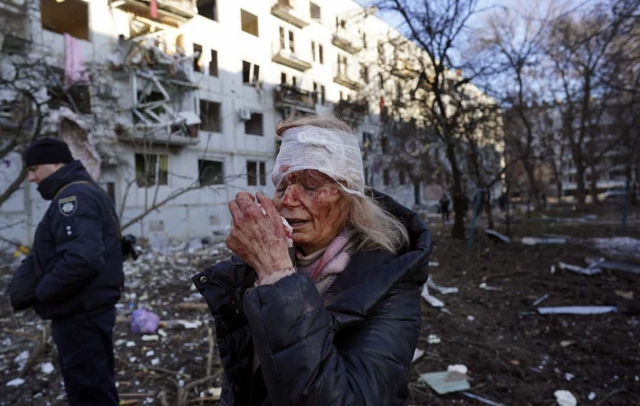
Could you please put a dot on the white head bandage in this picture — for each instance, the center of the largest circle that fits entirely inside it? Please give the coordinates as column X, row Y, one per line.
column 333, row 152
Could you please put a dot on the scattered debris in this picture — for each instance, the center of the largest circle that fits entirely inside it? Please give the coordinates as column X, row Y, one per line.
column 215, row 392
column 452, row 380
column 578, row 269
column 441, row 289
column 565, row 398
column 15, row 382
column 568, row 376
column 432, row 300
column 625, row 247
column 471, row 318
column 481, row 399
column 417, row 354
column 538, row 241
column 603, row 263
column 624, row 294
column 484, row 286
column 21, row 359
column 497, row 236
column 433, row 339
column 152, row 337
column 541, row 299
column 434, row 263
column 567, row 343
column 47, row 368
column 578, row 310
column 144, row 321
column 591, row 396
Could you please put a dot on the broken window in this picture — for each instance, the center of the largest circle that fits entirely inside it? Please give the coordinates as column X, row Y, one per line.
column 66, row 17
column 77, row 97
column 250, row 73
column 282, row 38
column 292, row 47
column 322, row 94
column 152, row 169
column 208, row 9
column 366, row 140
column 294, row 81
column 313, row 51
column 213, row 63
column 253, row 126
column 252, row 173
column 314, row 11
column 283, row 78
column 197, row 66
column 210, row 172
column 210, row 116
column 256, row 173
column 249, row 22
column 364, row 73
column 320, row 54
column 315, row 92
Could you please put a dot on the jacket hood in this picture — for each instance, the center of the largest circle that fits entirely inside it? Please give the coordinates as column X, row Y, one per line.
column 71, row 172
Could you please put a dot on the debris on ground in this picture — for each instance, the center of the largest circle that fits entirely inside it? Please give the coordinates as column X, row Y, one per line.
column 417, row 354
column 565, row 398
column 541, row 299
column 591, row 270
column 539, row 241
column 454, row 379
column 484, row 286
column 433, row 339
column 481, row 399
column 603, row 263
column 144, row 321
column 432, row 300
column 577, row 310
column 441, row 289
column 496, row 236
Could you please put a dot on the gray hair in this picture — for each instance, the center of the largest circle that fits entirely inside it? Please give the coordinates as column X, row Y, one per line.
column 376, row 228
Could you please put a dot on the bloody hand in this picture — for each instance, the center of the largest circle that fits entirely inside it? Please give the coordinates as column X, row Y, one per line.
column 257, row 235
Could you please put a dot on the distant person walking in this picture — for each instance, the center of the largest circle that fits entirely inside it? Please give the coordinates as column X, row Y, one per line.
column 444, row 208
column 73, row 275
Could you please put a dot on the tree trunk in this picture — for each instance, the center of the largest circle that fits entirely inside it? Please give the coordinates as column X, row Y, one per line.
column 487, row 209
column 581, row 189
column 534, row 192
column 594, row 187
column 457, row 195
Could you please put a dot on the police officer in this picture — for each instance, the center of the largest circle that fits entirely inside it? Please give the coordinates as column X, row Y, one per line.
column 73, row 275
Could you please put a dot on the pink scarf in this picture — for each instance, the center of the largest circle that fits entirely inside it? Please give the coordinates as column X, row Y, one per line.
column 334, row 259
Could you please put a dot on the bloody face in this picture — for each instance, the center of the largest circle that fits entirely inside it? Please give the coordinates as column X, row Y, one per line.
column 314, row 206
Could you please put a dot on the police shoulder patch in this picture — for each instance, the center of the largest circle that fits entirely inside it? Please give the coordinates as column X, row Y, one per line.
column 68, row 205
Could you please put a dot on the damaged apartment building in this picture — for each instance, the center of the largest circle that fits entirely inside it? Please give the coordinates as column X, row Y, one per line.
column 172, row 104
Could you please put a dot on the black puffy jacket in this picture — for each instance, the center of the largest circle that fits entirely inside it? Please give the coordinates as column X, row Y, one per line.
column 75, row 267
column 352, row 346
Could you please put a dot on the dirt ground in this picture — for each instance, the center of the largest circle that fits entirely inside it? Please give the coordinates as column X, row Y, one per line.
column 514, row 355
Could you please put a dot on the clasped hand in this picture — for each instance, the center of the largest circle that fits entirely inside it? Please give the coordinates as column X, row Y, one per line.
column 257, row 235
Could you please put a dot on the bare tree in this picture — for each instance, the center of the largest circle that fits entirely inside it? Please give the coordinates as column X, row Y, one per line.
column 446, row 100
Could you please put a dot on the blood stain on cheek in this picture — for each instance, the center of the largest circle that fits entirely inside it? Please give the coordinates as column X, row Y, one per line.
column 284, row 168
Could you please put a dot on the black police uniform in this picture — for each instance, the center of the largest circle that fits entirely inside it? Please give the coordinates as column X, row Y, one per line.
column 74, row 277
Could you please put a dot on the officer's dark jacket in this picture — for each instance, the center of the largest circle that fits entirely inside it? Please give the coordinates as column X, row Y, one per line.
column 75, row 267
column 352, row 346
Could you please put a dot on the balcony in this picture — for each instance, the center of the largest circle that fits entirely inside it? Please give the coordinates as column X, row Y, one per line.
column 343, row 42
column 169, row 11
column 291, row 98
column 14, row 8
column 285, row 11
column 289, row 59
column 343, row 80
column 180, row 131
column 351, row 111
column 404, row 69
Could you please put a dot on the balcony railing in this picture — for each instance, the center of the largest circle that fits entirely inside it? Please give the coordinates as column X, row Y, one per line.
column 342, row 41
column 286, row 12
column 16, row 8
column 344, row 80
column 180, row 130
column 351, row 111
column 289, row 59
column 180, row 9
column 289, row 97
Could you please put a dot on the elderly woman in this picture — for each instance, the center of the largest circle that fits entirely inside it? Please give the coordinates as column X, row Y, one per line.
column 335, row 319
